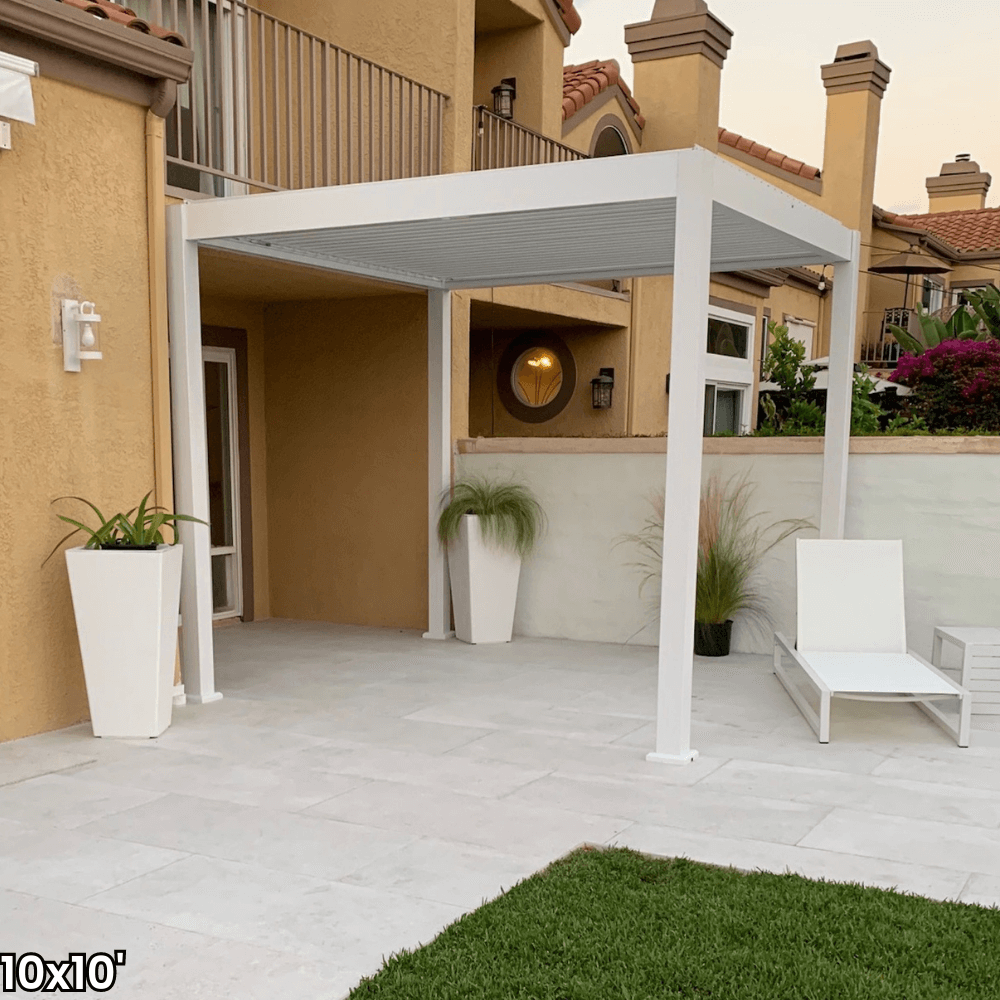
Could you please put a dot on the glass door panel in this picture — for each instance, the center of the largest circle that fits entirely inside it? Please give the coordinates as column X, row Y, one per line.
column 223, row 480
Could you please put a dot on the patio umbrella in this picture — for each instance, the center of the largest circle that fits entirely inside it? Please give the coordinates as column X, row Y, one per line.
column 911, row 262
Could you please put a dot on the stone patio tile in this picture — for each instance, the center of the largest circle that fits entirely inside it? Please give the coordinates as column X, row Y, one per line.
column 367, row 730
column 60, row 801
column 347, row 928
column 750, row 855
column 304, row 844
column 731, row 742
column 533, row 717
column 282, row 784
column 984, row 890
column 970, row 772
column 570, row 756
column 69, row 865
column 500, row 824
column 461, row 874
column 892, row 796
column 691, row 808
column 23, row 759
column 238, row 743
column 473, row 776
column 920, row 842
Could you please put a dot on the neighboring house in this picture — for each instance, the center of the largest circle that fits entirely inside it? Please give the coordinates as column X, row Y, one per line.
column 315, row 381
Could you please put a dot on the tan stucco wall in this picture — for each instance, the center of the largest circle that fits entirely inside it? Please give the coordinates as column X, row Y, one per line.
column 593, row 348
column 69, row 223
column 679, row 98
column 249, row 316
column 584, row 125
column 346, row 399
column 955, row 202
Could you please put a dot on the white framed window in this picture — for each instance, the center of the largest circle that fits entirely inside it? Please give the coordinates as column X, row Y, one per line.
column 804, row 331
column 729, row 371
column 727, row 408
column 932, row 298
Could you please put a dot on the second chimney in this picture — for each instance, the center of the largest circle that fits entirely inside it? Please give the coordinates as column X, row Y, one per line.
column 960, row 186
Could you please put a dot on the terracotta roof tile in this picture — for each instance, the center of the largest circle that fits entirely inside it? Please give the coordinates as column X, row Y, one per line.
column 582, row 83
column 972, row 230
column 570, row 15
column 125, row 16
column 768, row 155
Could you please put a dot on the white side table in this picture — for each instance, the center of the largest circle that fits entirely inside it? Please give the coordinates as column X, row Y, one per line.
column 980, row 663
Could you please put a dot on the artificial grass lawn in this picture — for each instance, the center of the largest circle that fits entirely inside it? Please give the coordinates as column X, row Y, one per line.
column 614, row 925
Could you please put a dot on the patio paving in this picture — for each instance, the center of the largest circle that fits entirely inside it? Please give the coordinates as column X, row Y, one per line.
column 359, row 789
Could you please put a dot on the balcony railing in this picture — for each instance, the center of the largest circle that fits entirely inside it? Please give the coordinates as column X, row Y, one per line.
column 883, row 349
column 499, row 142
column 271, row 107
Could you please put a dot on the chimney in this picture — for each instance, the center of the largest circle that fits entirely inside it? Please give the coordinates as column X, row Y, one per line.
column 855, row 82
column 677, row 56
column 960, row 185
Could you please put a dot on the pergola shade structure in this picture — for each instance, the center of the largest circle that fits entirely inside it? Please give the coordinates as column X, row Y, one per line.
column 687, row 213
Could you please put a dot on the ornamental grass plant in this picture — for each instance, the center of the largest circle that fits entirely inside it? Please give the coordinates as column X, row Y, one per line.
column 511, row 517
column 731, row 545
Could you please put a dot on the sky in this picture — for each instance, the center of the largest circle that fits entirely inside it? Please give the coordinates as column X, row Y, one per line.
column 943, row 97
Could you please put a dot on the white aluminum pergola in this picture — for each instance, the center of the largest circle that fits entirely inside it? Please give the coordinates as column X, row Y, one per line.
column 686, row 212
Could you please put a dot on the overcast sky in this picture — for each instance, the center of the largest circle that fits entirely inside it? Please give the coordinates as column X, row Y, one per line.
column 943, row 98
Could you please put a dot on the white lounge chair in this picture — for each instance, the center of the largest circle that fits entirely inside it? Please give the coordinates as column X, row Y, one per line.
column 851, row 639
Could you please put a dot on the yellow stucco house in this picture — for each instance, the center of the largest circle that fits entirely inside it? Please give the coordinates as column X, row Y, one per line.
column 316, row 381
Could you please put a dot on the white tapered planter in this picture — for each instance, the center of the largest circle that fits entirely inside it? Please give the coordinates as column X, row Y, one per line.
column 126, row 606
column 484, row 582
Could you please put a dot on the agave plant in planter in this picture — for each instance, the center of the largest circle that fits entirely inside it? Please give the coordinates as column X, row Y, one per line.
column 730, row 548
column 125, row 583
column 488, row 527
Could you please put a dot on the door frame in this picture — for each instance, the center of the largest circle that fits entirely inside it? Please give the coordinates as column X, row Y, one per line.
column 236, row 340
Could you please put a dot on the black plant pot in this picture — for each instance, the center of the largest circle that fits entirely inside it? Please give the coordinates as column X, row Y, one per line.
column 711, row 639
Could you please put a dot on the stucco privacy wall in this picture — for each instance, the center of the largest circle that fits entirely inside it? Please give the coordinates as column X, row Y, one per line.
column 577, row 585
column 88, row 433
column 346, row 400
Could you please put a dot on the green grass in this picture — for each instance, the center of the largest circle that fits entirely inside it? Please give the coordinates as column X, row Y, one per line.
column 613, row 925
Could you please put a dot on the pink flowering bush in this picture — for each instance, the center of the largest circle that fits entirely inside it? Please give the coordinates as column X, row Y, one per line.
column 955, row 385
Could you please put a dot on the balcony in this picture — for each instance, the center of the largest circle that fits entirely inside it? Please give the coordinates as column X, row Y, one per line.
column 881, row 348
column 270, row 107
column 499, row 142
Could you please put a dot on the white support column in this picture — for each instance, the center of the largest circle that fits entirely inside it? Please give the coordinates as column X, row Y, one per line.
column 187, row 397
column 438, row 457
column 685, row 443
column 837, row 442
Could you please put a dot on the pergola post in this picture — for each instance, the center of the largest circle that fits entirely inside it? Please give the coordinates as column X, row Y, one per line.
column 438, row 457
column 685, row 443
column 187, row 397
column 837, row 442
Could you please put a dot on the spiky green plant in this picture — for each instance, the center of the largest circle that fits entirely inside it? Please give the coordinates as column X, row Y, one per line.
column 510, row 516
column 122, row 530
column 730, row 548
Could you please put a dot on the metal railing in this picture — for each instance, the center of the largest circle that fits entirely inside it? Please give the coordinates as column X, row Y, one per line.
column 883, row 349
column 499, row 142
column 272, row 107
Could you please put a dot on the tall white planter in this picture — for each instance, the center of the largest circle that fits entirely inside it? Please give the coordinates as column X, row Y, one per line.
column 126, row 606
column 483, row 585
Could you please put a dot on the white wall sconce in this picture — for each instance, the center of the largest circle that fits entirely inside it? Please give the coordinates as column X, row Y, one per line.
column 78, row 322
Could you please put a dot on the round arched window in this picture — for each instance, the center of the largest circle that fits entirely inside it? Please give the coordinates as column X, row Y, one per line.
column 610, row 143
column 536, row 377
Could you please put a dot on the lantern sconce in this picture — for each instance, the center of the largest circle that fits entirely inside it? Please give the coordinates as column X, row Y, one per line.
column 78, row 322
column 504, row 97
column 602, row 387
